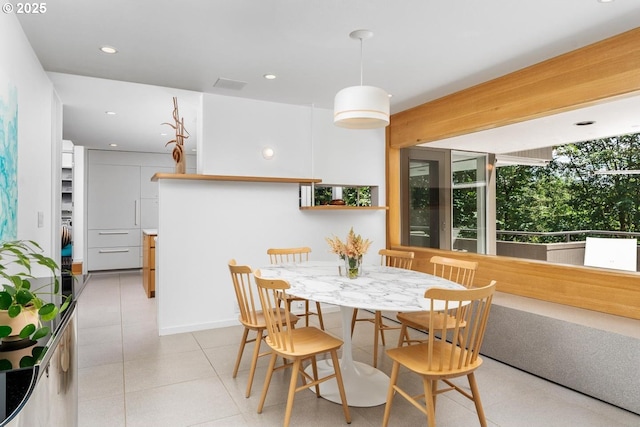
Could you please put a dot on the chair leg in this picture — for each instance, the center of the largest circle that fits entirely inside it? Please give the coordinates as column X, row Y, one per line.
column 343, row 394
column 390, row 393
column 429, row 398
column 380, row 326
column 254, row 361
column 240, row 351
column 314, row 367
column 476, row 399
column 403, row 332
column 320, row 319
column 267, row 381
column 292, row 391
column 306, row 312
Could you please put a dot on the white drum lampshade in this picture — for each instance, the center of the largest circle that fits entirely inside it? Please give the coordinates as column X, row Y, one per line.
column 361, row 107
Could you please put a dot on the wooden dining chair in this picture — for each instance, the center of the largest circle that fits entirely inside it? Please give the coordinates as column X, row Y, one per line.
column 438, row 359
column 295, row 346
column 390, row 258
column 456, row 270
column 251, row 317
column 296, row 255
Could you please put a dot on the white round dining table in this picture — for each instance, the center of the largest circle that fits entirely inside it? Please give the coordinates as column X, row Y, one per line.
column 377, row 288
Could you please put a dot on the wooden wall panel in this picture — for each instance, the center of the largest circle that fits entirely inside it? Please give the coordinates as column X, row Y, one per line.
column 607, row 291
column 583, row 77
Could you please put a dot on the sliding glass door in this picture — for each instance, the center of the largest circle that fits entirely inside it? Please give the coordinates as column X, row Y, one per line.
column 444, row 199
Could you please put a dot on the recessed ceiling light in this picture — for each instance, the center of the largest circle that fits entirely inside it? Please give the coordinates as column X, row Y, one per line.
column 113, row 144
column 585, row 123
column 110, row 113
column 108, row 49
column 163, row 134
column 269, row 76
column 605, row 1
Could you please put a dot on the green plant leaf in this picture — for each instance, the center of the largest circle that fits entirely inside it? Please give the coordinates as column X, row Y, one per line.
column 23, row 297
column 27, row 331
column 5, row 365
column 5, row 331
column 5, row 300
column 27, row 361
column 42, row 332
column 48, row 311
column 37, row 352
column 64, row 305
column 11, row 290
column 14, row 311
column 16, row 280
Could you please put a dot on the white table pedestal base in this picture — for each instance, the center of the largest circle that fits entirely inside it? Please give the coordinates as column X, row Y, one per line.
column 364, row 385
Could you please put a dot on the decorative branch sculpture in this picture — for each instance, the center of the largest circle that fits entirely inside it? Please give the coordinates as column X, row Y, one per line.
column 181, row 135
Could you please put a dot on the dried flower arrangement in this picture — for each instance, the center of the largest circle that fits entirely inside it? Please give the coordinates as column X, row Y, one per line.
column 351, row 251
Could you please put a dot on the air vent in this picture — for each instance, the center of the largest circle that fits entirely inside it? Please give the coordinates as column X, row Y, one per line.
column 222, row 83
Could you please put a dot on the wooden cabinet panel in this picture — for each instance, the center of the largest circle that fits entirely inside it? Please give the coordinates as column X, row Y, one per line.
column 149, row 264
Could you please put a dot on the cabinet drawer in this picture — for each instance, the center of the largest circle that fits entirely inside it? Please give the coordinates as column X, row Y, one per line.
column 114, row 238
column 109, row 258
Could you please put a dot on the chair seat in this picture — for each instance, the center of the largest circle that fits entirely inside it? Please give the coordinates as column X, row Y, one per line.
column 420, row 320
column 413, row 357
column 261, row 322
column 309, row 341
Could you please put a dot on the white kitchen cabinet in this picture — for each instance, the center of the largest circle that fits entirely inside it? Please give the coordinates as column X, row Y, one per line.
column 114, row 196
column 121, row 201
column 113, row 217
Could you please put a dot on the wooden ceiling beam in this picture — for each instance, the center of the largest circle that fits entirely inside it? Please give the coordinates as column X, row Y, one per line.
column 601, row 71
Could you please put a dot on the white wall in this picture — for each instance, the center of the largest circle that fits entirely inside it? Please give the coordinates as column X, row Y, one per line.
column 203, row 224
column 39, row 137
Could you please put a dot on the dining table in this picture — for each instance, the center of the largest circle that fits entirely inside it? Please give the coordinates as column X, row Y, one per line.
column 376, row 288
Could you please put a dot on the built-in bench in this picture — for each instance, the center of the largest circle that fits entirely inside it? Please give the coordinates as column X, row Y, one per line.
column 593, row 353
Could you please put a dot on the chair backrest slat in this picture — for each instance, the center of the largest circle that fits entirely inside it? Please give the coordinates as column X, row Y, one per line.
column 398, row 259
column 459, row 271
column 288, row 255
column 245, row 292
column 470, row 309
column 279, row 326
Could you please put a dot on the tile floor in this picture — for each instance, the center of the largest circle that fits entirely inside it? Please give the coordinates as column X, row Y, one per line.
column 128, row 376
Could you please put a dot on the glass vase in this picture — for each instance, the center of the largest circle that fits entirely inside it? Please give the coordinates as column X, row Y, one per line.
column 353, row 267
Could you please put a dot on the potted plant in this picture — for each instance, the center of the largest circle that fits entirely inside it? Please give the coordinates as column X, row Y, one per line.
column 18, row 300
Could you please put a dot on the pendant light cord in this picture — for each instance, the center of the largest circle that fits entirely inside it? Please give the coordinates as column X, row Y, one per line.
column 361, row 68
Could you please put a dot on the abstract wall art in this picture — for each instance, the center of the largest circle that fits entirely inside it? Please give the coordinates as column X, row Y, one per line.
column 8, row 163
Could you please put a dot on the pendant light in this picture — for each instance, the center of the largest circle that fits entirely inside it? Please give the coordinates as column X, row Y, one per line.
column 361, row 107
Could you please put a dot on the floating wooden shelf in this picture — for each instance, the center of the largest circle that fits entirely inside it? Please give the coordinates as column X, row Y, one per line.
column 199, row 177
column 342, row 207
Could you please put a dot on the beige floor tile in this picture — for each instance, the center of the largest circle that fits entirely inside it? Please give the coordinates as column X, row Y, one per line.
column 161, row 370
column 99, row 353
column 100, row 382
column 179, row 404
column 146, row 344
column 105, row 412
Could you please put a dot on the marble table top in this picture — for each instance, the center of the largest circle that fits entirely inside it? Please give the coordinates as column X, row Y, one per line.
column 378, row 288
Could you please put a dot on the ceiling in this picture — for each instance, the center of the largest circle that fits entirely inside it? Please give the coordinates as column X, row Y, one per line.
column 421, row 50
